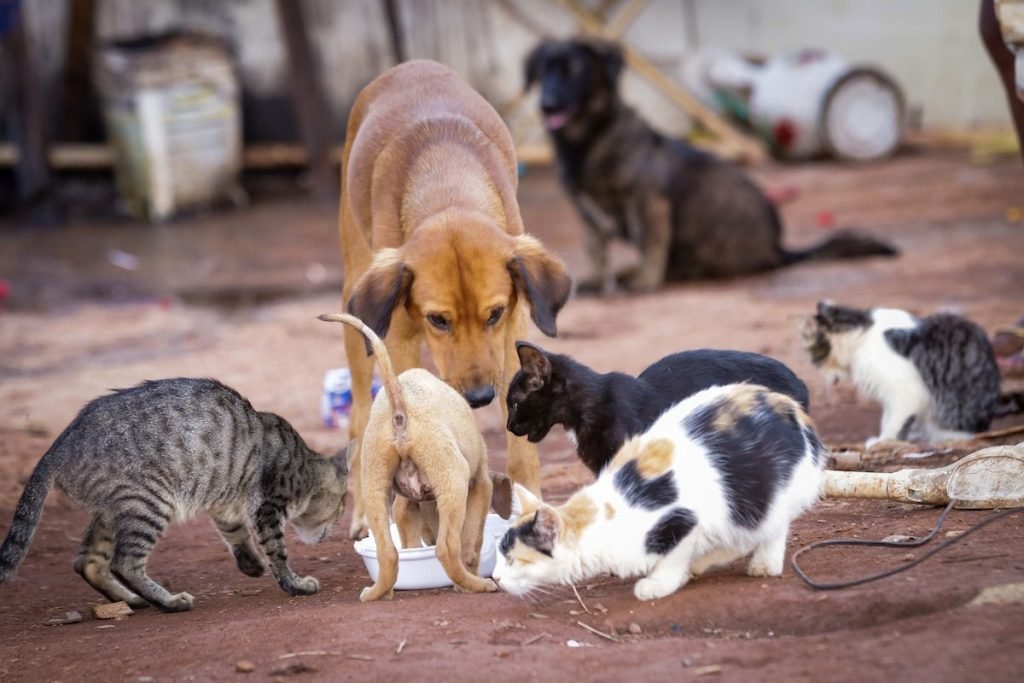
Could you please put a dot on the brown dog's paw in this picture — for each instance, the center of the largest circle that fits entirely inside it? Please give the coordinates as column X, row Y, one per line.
column 359, row 530
column 637, row 280
column 477, row 585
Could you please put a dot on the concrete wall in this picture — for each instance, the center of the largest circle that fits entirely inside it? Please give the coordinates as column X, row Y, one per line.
column 930, row 46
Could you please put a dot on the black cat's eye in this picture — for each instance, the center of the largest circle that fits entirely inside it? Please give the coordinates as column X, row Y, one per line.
column 495, row 316
column 438, row 321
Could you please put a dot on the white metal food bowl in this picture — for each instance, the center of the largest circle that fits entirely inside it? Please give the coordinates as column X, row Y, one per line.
column 419, row 568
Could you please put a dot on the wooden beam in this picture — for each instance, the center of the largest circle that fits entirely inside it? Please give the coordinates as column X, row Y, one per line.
column 79, row 116
column 307, row 98
column 394, row 19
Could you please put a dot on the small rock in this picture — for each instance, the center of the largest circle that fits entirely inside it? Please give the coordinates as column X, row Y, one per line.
column 676, row 629
column 244, row 666
column 105, row 626
column 145, row 679
column 909, row 557
column 72, row 617
column 249, row 592
column 687, row 661
column 709, row 670
column 111, row 610
column 635, row 629
column 292, row 669
column 899, row 538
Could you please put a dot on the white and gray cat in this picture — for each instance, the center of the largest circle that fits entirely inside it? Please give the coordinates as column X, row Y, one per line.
column 166, row 450
column 717, row 477
column 936, row 377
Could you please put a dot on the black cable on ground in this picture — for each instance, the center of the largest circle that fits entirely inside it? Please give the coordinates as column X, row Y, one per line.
column 892, row 544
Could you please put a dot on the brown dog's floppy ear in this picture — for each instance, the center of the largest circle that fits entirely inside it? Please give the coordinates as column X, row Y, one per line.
column 535, row 364
column 532, row 65
column 381, row 288
column 501, row 494
column 542, row 279
column 609, row 55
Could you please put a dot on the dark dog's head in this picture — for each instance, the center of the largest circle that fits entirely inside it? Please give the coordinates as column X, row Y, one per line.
column 578, row 81
column 535, row 394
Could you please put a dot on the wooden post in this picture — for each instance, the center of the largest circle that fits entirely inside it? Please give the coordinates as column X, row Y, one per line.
column 307, row 98
column 79, row 118
column 398, row 51
column 29, row 116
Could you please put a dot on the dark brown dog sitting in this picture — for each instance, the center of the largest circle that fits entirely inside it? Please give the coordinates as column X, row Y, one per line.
column 691, row 215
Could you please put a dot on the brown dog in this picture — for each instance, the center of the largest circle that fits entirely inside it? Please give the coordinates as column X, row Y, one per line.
column 421, row 442
column 433, row 244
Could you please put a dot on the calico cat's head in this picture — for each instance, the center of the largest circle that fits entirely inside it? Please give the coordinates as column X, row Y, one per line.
column 538, row 549
column 534, row 394
column 326, row 502
column 827, row 336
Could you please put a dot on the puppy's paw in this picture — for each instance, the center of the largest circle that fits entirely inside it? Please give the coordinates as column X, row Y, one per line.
column 302, row 585
column 369, row 595
column 359, row 529
column 182, row 602
column 651, row 589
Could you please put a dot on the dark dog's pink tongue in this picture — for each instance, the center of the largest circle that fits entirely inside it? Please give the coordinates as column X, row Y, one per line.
column 556, row 120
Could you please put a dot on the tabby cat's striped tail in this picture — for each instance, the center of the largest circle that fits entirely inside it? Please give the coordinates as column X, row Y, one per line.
column 387, row 374
column 26, row 519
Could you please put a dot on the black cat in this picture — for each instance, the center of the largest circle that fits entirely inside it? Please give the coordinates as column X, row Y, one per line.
column 600, row 411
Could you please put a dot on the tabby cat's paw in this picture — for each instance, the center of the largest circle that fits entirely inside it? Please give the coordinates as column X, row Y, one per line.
column 651, row 589
column 182, row 602
column 249, row 565
column 303, row 585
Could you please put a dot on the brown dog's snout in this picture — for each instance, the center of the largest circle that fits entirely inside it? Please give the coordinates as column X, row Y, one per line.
column 478, row 397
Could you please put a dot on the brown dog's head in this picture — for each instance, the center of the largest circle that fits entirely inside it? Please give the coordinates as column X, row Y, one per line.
column 578, row 82
column 460, row 283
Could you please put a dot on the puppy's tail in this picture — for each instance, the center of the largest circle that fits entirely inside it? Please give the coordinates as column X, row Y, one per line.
column 844, row 244
column 387, row 373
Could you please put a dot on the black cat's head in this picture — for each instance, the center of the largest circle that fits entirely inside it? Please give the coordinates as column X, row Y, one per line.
column 534, row 394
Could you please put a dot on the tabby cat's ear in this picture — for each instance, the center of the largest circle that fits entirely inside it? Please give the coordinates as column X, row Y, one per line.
column 528, row 503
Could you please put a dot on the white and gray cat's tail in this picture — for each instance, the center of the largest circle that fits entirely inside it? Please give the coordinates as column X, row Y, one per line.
column 1010, row 403
column 26, row 519
column 387, row 372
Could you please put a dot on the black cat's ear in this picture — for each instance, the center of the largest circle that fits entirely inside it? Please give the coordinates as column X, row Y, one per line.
column 535, row 364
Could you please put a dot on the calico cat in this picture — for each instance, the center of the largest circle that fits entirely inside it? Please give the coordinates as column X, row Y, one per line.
column 142, row 457
column 600, row 411
column 936, row 377
column 720, row 475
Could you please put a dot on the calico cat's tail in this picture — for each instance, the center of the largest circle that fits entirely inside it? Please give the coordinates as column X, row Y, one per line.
column 844, row 244
column 1010, row 403
column 387, row 373
column 26, row 519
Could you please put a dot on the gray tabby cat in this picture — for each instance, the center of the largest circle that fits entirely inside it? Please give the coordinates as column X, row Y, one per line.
column 166, row 450
column 936, row 376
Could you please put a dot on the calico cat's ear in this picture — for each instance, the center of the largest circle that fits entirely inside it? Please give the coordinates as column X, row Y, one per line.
column 535, row 364
column 824, row 310
column 546, row 527
column 528, row 503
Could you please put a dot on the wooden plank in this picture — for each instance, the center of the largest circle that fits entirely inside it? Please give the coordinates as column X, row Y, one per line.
column 79, row 116
column 307, row 97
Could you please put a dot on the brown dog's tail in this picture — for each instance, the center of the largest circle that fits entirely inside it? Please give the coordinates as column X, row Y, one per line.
column 844, row 244
column 387, row 373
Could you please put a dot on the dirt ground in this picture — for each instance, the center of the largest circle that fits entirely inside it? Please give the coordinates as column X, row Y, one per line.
column 233, row 295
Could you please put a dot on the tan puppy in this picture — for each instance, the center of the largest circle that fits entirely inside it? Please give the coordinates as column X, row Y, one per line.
column 421, row 441
column 434, row 248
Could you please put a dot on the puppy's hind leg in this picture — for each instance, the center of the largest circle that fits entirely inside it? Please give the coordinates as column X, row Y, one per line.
column 451, row 511
column 377, row 477
column 477, row 504
column 409, row 522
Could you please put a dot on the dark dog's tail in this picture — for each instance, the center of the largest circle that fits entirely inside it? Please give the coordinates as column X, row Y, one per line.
column 387, row 374
column 845, row 244
column 1010, row 403
column 26, row 519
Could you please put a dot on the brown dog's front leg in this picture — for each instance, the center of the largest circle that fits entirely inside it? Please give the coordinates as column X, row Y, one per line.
column 650, row 221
